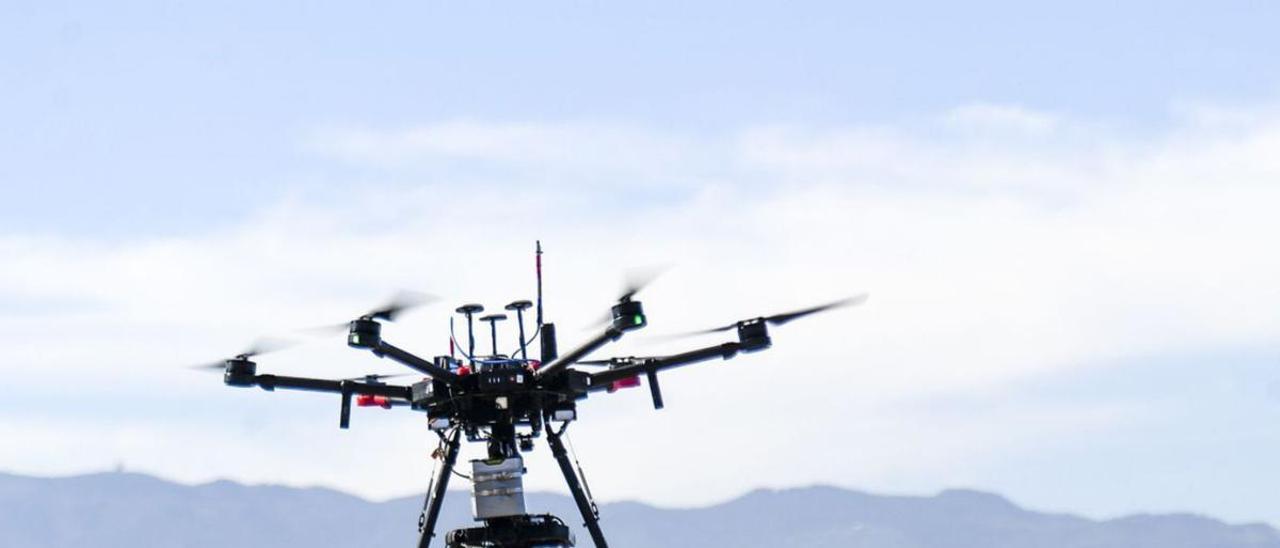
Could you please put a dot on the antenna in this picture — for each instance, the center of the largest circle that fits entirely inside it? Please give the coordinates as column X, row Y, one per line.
column 538, row 262
column 470, row 310
column 519, row 308
column 452, row 350
column 493, row 320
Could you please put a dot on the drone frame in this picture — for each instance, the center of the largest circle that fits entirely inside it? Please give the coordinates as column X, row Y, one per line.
column 530, row 395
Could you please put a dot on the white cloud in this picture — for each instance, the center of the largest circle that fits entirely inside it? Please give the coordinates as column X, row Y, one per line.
column 988, row 265
column 1003, row 118
column 577, row 149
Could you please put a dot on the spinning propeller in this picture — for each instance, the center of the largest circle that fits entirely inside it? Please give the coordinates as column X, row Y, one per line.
column 635, row 280
column 398, row 304
column 259, row 347
column 377, row 379
column 402, row 301
column 780, row 319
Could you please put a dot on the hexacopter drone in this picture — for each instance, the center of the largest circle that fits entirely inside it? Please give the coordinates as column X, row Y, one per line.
column 507, row 402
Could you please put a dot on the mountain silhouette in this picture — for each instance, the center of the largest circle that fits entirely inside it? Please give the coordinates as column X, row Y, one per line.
column 125, row 510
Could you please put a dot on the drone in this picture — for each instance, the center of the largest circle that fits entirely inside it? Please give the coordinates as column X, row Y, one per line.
column 506, row 402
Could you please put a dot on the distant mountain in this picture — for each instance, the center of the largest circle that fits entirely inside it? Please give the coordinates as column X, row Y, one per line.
column 136, row 511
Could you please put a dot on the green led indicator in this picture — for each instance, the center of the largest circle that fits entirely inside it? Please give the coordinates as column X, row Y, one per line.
column 638, row 319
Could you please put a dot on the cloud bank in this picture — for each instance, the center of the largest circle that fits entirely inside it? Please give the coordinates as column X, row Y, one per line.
column 1002, row 247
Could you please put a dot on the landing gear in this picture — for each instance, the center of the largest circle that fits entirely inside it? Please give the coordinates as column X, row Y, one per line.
column 497, row 491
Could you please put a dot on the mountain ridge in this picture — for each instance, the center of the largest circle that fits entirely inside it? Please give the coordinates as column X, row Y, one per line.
column 118, row 509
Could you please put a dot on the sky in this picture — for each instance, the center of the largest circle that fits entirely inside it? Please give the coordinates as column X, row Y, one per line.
column 1064, row 217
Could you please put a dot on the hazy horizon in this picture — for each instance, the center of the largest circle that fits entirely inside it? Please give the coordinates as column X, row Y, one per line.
column 458, row 493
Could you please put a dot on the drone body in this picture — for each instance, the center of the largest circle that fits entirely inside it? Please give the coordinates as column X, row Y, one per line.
column 506, row 402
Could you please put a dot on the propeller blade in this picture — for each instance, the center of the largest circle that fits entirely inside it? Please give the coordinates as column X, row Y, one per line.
column 776, row 319
column 779, row 319
column 720, row 329
column 326, row 330
column 685, row 334
column 376, row 378
column 602, row 320
column 634, row 280
column 402, row 301
column 264, row 345
column 639, row 278
column 217, row 366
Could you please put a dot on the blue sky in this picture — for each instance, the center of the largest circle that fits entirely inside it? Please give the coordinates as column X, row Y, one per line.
column 1062, row 215
column 170, row 105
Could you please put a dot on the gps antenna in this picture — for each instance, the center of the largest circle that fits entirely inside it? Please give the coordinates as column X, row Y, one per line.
column 493, row 320
column 519, row 307
column 470, row 310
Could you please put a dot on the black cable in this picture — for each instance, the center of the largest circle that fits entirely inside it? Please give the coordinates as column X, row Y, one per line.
column 586, row 487
column 454, row 339
column 442, row 448
column 529, row 342
column 436, row 455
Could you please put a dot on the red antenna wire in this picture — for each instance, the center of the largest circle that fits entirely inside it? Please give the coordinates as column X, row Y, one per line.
column 538, row 262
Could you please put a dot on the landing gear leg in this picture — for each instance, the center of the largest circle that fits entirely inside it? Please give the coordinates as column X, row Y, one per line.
column 589, row 516
column 440, row 482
